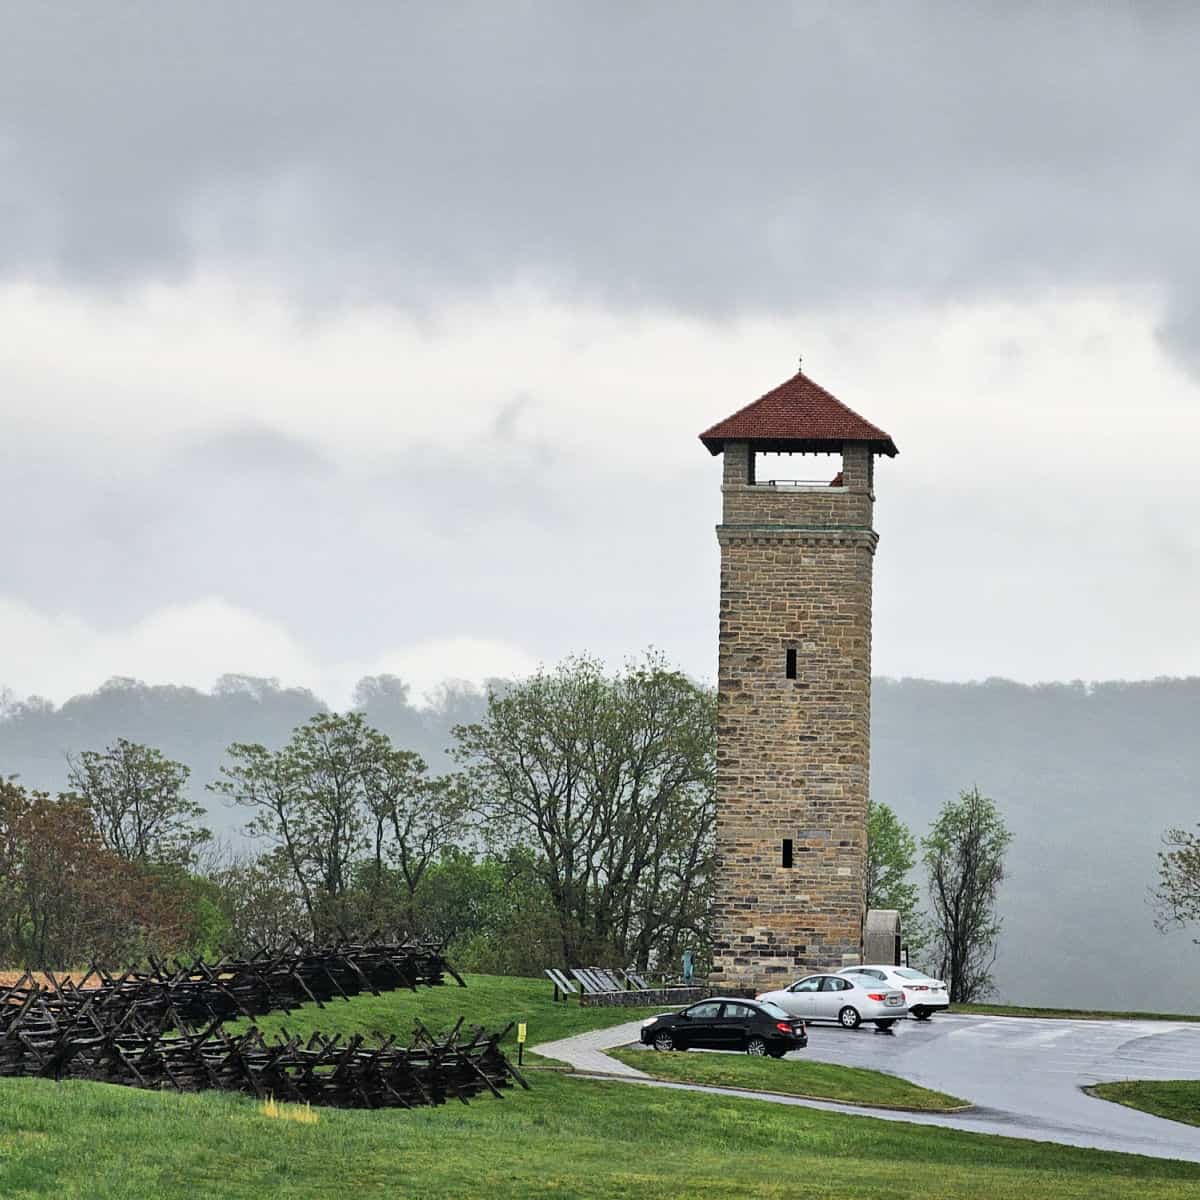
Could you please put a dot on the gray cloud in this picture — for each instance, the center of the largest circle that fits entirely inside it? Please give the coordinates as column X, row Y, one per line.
column 427, row 544
column 680, row 156
column 674, row 159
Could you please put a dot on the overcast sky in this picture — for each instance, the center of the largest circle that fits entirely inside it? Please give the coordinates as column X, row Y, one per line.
column 339, row 339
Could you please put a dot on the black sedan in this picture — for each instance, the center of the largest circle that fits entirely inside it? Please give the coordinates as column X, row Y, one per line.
column 726, row 1023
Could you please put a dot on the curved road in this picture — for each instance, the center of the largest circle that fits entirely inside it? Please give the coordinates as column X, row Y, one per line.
column 1023, row 1075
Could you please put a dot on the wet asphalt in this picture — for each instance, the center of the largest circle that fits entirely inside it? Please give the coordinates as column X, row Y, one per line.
column 1023, row 1076
column 1026, row 1076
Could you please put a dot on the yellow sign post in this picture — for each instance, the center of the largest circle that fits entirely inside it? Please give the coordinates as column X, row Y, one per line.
column 520, row 1043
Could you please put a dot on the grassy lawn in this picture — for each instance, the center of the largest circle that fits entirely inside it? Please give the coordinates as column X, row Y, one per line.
column 1074, row 1014
column 794, row 1077
column 1175, row 1099
column 567, row 1138
column 488, row 1000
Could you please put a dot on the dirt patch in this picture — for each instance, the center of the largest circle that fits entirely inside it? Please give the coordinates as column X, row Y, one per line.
column 9, row 977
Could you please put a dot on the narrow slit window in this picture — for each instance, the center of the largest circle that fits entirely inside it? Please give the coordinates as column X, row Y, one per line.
column 787, row 852
column 791, row 664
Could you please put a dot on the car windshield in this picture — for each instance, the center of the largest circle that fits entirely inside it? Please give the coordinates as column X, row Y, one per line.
column 909, row 973
column 773, row 1010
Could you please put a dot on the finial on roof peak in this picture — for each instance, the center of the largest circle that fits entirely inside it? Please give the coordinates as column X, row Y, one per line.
column 798, row 415
column 799, row 364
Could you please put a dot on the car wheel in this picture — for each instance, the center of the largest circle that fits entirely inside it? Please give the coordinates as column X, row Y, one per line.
column 776, row 1053
column 884, row 1024
column 922, row 1014
column 664, row 1041
column 756, row 1046
column 849, row 1017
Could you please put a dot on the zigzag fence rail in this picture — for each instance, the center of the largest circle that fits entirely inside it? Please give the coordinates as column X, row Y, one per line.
column 162, row 1028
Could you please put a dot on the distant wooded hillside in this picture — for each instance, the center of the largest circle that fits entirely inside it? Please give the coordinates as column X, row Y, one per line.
column 1087, row 777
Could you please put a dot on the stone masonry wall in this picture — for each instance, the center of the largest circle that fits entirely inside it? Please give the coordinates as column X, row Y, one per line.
column 652, row 998
column 797, row 508
column 792, row 754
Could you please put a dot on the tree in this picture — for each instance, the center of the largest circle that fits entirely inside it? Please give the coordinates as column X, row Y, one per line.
column 336, row 793
column 259, row 902
column 610, row 782
column 964, row 855
column 493, row 913
column 891, row 855
column 65, row 898
column 308, row 803
column 423, row 816
column 136, row 797
column 1177, row 897
column 261, row 780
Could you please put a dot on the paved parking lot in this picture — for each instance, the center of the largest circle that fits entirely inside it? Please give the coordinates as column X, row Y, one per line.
column 1024, row 1076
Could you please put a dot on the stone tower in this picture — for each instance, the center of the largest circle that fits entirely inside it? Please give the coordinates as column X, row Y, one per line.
column 794, row 689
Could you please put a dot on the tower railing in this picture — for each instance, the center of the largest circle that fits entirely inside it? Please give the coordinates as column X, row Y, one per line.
column 796, row 483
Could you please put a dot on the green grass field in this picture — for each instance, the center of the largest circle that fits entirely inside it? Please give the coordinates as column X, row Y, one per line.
column 568, row 1137
column 489, row 1000
column 1072, row 1014
column 1175, row 1099
column 793, row 1077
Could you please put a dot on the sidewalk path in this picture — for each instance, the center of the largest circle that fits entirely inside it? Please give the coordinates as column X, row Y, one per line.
column 585, row 1051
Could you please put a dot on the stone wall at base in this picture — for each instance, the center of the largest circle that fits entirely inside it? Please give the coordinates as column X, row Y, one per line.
column 674, row 997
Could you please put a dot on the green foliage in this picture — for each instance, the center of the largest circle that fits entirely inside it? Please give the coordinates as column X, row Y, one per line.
column 339, row 792
column 964, row 855
column 1066, row 758
column 421, row 815
column 609, row 782
column 891, row 855
column 1177, row 896
column 494, row 913
column 66, row 898
column 259, row 903
column 138, row 803
column 204, row 927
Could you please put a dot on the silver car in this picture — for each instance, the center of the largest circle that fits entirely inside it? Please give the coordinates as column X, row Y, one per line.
column 924, row 994
column 847, row 999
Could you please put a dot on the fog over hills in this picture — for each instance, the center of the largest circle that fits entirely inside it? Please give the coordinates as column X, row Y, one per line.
column 1088, row 777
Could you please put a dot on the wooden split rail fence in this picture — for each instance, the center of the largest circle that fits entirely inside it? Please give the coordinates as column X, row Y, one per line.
column 184, row 995
column 162, row 1029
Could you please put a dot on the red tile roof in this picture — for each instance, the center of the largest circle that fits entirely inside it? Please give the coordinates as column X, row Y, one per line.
column 797, row 415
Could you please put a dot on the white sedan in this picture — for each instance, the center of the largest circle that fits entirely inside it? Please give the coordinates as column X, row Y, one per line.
column 847, row 999
column 924, row 995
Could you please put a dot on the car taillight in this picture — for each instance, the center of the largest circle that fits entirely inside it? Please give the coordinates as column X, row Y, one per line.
column 918, row 987
column 783, row 1027
column 877, row 995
